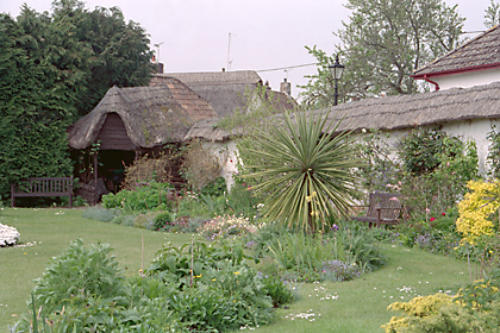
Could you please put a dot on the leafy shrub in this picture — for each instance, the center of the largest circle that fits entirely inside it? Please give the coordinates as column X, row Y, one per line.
column 420, row 150
column 77, row 276
column 153, row 196
column 215, row 205
column 481, row 294
column 359, row 246
column 220, row 290
column 241, row 201
column 196, row 288
column 494, row 152
column 277, row 289
column 435, row 169
column 191, row 206
column 477, row 209
column 161, row 220
column 100, row 214
column 259, row 241
column 216, row 188
column 476, row 308
column 341, row 255
column 226, row 226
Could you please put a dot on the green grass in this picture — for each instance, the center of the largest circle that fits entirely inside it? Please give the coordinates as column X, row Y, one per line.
column 54, row 231
column 361, row 304
column 360, row 307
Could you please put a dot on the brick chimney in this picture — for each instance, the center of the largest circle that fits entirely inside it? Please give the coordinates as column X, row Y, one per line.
column 286, row 87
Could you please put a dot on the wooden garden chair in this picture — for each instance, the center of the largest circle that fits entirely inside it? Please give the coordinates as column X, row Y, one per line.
column 383, row 209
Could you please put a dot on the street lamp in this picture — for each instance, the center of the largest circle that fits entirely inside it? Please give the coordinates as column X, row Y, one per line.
column 336, row 70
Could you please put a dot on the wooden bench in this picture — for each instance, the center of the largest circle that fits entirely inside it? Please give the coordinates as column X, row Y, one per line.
column 383, row 209
column 42, row 187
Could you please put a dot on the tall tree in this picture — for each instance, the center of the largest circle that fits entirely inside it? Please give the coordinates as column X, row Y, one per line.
column 34, row 108
column 382, row 43
column 55, row 68
column 119, row 51
column 492, row 14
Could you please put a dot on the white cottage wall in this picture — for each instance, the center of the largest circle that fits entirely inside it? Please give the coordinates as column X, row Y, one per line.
column 227, row 155
column 467, row 79
column 474, row 130
column 477, row 131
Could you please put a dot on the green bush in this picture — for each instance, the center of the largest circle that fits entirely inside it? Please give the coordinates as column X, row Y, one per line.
column 220, row 290
column 241, row 201
column 494, row 152
column 188, row 289
column 161, row 220
column 153, row 196
column 340, row 255
column 81, row 274
column 217, row 188
column 192, row 207
column 476, row 308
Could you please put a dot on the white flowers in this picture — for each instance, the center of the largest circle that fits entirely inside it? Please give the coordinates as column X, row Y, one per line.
column 8, row 235
column 309, row 315
column 405, row 289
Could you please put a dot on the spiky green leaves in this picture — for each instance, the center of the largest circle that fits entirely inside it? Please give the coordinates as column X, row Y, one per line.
column 303, row 168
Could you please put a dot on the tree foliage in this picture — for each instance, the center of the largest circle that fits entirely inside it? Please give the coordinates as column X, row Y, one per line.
column 492, row 14
column 383, row 42
column 53, row 69
column 118, row 51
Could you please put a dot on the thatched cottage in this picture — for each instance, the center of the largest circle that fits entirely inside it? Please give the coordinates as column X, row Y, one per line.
column 468, row 113
column 228, row 93
column 464, row 103
column 129, row 122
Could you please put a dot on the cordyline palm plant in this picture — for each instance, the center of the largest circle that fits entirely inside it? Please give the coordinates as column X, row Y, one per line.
column 303, row 170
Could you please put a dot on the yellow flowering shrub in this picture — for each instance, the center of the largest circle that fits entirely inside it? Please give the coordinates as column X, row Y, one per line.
column 442, row 313
column 475, row 308
column 476, row 210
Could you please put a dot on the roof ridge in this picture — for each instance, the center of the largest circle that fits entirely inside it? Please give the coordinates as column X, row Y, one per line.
column 459, row 48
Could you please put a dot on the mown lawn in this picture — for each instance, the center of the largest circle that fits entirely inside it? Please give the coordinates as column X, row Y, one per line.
column 360, row 305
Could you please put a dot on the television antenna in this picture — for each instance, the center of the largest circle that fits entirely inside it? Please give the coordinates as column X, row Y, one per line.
column 157, row 46
column 229, row 60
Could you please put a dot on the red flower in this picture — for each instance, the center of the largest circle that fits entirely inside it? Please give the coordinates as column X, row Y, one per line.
column 443, row 213
column 432, row 219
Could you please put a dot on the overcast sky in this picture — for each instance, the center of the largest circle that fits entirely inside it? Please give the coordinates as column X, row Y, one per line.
column 265, row 34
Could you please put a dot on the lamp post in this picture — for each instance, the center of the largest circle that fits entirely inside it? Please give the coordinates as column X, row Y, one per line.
column 337, row 69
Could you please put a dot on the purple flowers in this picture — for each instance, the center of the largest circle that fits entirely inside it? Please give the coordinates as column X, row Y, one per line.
column 334, row 228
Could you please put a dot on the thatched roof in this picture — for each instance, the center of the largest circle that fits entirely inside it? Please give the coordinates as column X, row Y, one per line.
column 482, row 52
column 210, row 131
column 151, row 115
column 394, row 112
column 226, row 92
column 407, row 111
column 204, row 78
